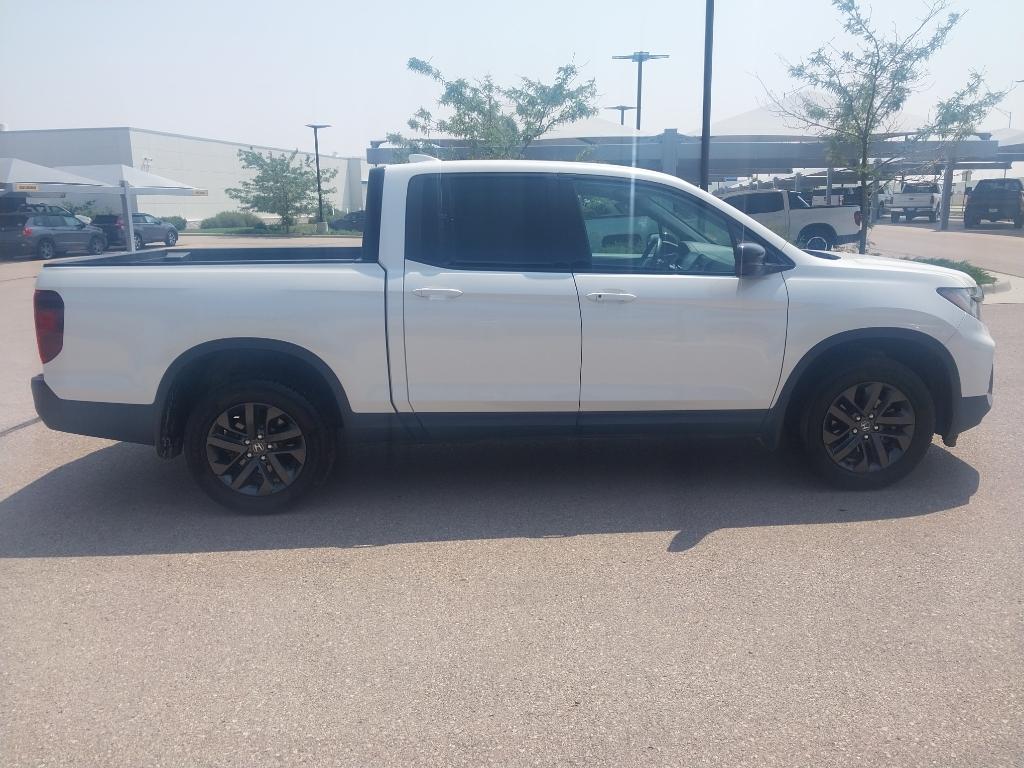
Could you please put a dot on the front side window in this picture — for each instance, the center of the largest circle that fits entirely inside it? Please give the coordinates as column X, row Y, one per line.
column 641, row 227
column 486, row 221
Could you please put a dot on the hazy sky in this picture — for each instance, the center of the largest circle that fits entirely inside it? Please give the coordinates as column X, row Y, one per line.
column 258, row 71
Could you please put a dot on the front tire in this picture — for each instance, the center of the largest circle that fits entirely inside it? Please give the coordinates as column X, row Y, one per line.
column 1018, row 221
column 868, row 425
column 138, row 242
column 96, row 245
column 257, row 447
column 894, row 217
column 171, row 238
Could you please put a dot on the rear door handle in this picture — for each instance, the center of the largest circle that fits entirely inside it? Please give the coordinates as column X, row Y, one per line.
column 438, row 293
column 619, row 297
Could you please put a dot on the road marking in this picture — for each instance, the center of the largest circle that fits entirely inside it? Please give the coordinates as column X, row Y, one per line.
column 16, row 427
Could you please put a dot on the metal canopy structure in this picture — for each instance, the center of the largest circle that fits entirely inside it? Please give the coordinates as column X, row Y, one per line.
column 129, row 183
column 21, row 176
column 735, row 156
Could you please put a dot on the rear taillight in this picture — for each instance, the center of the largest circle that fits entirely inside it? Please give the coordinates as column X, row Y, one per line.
column 120, row 224
column 26, row 232
column 49, row 307
column 857, row 217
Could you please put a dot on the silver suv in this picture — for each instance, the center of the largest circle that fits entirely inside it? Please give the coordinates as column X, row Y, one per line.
column 47, row 235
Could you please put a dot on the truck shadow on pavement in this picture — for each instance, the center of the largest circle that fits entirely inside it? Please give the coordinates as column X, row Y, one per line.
column 122, row 500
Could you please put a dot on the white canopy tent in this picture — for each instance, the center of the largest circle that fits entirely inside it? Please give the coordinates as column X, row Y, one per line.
column 27, row 178
column 129, row 183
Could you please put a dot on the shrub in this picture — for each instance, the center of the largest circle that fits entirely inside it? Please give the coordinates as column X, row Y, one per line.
column 178, row 222
column 981, row 277
column 231, row 219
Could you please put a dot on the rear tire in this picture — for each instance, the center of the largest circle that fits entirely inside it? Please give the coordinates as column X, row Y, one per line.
column 932, row 217
column 1018, row 221
column 289, row 448
column 46, row 249
column 894, row 217
column 815, row 233
column 96, row 245
column 845, row 453
column 139, row 245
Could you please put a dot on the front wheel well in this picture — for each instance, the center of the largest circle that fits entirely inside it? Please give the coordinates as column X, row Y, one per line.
column 205, row 371
column 917, row 355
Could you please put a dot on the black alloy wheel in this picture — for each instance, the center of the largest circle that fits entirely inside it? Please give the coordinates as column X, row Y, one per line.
column 868, row 424
column 868, row 427
column 255, row 449
column 257, row 446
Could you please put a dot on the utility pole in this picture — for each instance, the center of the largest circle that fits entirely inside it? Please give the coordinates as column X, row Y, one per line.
column 705, row 128
column 316, row 149
column 623, row 109
column 640, row 57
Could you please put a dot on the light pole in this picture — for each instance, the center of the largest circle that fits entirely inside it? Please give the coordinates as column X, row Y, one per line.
column 640, row 57
column 316, row 149
column 623, row 109
column 705, row 128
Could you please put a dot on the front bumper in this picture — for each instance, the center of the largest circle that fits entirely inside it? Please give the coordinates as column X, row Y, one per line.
column 113, row 421
column 968, row 413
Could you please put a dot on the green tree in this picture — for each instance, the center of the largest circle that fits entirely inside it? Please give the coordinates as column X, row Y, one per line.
column 495, row 121
column 956, row 119
column 853, row 95
column 283, row 185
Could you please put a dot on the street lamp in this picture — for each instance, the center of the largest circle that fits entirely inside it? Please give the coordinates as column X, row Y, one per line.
column 623, row 109
column 705, row 128
column 316, row 149
column 640, row 57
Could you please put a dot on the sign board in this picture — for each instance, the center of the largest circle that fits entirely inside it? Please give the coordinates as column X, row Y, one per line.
column 200, row 192
column 25, row 187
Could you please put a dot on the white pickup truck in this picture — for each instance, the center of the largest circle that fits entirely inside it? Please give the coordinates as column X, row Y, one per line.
column 511, row 298
column 915, row 200
column 788, row 215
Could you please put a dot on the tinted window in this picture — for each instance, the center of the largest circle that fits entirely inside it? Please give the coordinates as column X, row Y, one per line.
column 641, row 227
column 11, row 223
column 70, row 221
column 999, row 185
column 483, row 221
column 797, row 201
column 757, row 202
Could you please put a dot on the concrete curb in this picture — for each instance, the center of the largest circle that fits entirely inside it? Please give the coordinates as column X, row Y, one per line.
column 1000, row 285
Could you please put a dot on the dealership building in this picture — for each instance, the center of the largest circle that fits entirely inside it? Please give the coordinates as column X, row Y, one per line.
column 206, row 164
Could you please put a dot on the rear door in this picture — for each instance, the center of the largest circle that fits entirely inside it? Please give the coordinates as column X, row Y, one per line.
column 492, row 320
column 768, row 208
column 667, row 325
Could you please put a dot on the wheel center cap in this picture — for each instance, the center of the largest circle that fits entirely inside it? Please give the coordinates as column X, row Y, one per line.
column 259, row 447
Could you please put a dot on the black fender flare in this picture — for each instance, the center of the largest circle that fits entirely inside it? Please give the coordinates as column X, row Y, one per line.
column 775, row 419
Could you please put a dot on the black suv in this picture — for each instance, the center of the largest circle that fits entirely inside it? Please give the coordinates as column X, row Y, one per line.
column 995, row 200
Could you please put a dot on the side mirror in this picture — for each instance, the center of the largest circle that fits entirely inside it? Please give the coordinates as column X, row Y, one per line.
column 750, row 260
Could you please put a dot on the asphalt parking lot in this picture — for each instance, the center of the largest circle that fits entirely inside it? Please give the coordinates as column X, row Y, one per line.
column 608, row 602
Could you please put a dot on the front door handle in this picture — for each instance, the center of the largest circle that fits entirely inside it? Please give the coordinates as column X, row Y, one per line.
column 438, row 293
column 620, row 297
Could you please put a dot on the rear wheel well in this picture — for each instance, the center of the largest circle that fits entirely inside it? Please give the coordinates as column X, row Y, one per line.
column 916, row 355
column 213, row 369
column 822, row 230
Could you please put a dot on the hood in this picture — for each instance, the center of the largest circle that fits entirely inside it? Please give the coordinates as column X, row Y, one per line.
column 952, row 277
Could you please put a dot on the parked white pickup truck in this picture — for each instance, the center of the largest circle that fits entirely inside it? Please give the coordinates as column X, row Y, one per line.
column 915, row 200
column 788, row 215
column 507, row 298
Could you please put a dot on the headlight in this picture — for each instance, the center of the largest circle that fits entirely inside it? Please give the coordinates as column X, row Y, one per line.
column 968, row 299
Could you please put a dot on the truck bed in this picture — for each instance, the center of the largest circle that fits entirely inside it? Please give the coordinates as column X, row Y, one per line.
column 221, row 256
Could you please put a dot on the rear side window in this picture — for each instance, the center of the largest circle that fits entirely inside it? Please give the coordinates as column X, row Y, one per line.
column 999, row 185
column 757, row 202
column 488, row 221
column 13, row 223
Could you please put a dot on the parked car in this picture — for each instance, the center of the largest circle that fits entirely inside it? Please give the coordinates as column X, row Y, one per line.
column 48, row 235
column 354, row 221
column 915, row 200
column 148, row 229
column 511, row 298
column 995, row 200
column 789, row 215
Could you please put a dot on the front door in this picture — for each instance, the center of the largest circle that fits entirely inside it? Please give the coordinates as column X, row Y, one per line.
column 492, row 319
column 667, row 325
